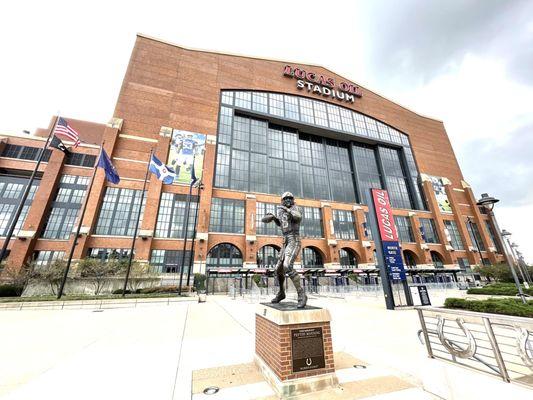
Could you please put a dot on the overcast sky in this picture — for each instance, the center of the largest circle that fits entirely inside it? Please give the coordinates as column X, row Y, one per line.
column 468, row 63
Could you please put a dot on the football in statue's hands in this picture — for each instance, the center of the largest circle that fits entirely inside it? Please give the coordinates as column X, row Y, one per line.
column 268, row 218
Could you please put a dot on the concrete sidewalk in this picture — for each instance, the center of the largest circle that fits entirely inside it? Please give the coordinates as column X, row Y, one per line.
column 150, row 352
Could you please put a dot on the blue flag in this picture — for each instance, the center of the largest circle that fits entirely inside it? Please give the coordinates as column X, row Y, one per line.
column 110, row 172
column 163, row 172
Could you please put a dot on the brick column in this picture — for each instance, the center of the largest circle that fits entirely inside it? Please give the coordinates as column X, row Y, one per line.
column 329, row 235
column 422, row 254
column 364, row 253
column 480, row 222
column 250, row 229
column 110, row 136
column 460, row 222
column 38, row 213
column 143, row 244
column 204, row 211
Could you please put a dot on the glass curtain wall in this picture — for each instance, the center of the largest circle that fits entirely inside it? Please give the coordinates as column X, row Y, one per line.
column 256, row 155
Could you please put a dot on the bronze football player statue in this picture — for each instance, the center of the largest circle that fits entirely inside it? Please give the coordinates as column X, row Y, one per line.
column 288, row 217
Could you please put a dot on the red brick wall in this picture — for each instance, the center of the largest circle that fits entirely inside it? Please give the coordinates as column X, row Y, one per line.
column 273, row 345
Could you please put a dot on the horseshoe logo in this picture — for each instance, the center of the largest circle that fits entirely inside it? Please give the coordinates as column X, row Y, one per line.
column 308, row 361
column 522, row 336
column 453, row 348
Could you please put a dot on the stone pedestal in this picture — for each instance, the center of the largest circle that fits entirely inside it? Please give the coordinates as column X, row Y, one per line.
column 293, row 348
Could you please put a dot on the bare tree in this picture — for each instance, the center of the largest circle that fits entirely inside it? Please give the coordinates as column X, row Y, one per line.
column 18, row 277
column 140, row 273
column 52, row 274
column 97, row 271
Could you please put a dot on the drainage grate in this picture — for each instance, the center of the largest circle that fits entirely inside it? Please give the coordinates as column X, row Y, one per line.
column 211, row 390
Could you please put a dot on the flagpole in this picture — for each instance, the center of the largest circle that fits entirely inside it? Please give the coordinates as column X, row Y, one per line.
column 26, row 192
column 194, row 235
column 137, row 224
column 78, row 229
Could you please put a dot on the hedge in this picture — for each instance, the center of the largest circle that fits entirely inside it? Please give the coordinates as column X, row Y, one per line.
column 500, row 289
column 494, row 306
column 11, row 290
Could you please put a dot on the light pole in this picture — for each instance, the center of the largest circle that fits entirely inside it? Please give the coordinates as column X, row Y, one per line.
column 515, row 259
column 524, row 265
column 488, row 202
column 523, row 271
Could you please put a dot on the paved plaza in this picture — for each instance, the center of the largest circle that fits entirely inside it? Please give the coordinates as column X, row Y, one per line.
column 150, row 351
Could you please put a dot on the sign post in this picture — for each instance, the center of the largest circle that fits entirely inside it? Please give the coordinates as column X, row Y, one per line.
column 387, row 245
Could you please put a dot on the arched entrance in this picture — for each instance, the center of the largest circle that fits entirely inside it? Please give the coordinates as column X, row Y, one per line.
column 436, row 258
column 348, row 258
column 311, row 258
column 409, row 258
column 224, row 255
column 267, row 256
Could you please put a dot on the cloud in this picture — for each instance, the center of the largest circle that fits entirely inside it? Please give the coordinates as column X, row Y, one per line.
column 502, row 166
column 413, row 41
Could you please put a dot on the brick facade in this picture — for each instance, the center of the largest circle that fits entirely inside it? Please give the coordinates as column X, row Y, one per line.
column 169, row 86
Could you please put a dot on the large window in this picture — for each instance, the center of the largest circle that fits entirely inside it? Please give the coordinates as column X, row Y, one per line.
column 475, row 236
column 105, row 255
column 267, row 257
column 261, row 209
column 366, row 228
column 429, row 230
column 395, row 177
column 11, row 190
column 171, row 216
column 347, row 258
column 118, row 212
column 80, row 159
column 405, row 230
column 455, row 237
column 25, row 152
column 313, row 112
column 65, row 207
column 343, row 224
column 492, row 235
column 224, row 255
column 368, row 173
column 169, row 261
column 311, row 258
column 46, row 257
column 311, row 225
column 256, row 155
column 227, row 215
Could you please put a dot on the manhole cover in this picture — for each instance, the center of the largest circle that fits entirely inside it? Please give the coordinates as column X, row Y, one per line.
column 359, row 366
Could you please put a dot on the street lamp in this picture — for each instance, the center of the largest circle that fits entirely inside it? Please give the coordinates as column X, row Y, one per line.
column 488, row 202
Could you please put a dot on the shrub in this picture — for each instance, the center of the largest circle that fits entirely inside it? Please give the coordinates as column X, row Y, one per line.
column 162, row 289
column 119, row 291
column 199, row 281
column 258, row 281
column 494, row 306
column 354, row 277
column 51, row 274
column 11, row 290
column 500, row 289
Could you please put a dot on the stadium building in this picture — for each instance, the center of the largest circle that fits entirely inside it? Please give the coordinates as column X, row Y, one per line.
column 267, row 127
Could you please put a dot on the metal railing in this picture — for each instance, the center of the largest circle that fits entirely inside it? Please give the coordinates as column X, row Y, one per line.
column 499, row 345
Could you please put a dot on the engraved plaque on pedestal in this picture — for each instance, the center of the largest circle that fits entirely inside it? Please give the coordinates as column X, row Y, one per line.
column 307, row 349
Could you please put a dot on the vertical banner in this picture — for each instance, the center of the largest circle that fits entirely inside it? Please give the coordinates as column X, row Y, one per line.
column 186, row 147
column 440, row 193
column 389, row 236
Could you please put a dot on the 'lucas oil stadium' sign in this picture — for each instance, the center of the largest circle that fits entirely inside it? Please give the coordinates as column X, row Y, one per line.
column 323, row 85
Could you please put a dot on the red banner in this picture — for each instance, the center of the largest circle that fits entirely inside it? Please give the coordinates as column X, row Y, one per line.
column 387, row 229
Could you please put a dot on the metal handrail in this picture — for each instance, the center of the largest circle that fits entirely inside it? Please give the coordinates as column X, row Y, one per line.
column 518, row 336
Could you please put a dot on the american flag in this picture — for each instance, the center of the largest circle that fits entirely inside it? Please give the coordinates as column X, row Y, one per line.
column 63, row 128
